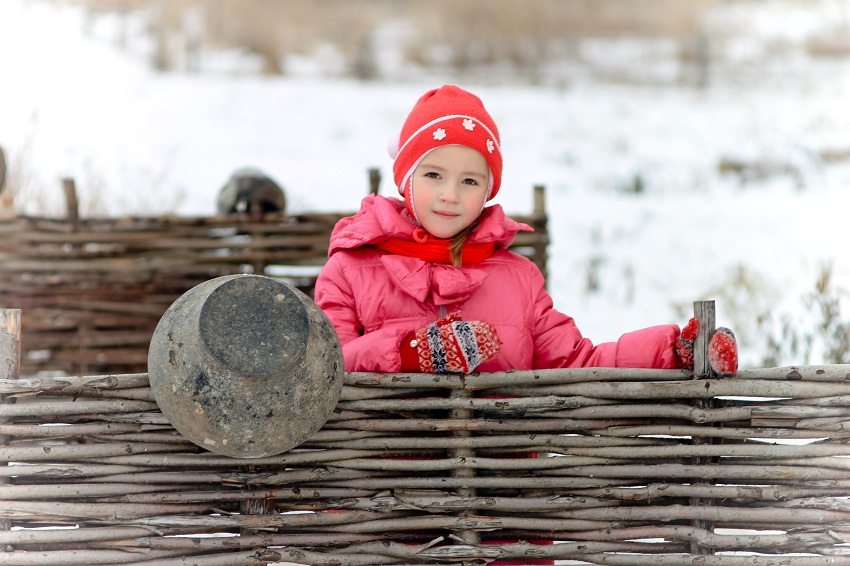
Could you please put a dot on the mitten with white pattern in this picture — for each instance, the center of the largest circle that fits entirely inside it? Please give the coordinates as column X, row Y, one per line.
column 685, row 344
column 450, row 345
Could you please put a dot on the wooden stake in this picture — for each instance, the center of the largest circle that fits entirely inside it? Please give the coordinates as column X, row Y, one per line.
column 467, row 536
column 540, row 223
column 374, row 180
column 704, row 312
column 10, row 343
column 10, row 363
column 69, row 187
column 2, row 169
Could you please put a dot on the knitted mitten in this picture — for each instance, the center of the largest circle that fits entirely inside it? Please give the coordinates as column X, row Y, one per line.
column 723, row 352
column 722, row 349
column 685, row 343
column 450, row 345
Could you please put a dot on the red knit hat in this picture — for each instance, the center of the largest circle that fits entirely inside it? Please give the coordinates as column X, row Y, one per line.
column 448, row 115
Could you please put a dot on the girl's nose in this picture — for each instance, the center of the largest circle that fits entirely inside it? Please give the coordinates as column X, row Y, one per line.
column 450, row 193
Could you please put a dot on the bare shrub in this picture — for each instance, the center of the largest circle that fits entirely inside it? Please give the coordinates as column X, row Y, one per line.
column 746, row 299
column 821, row 336
column 22, row 185
column 754, row 171
column 834, row 43
column 527, row 35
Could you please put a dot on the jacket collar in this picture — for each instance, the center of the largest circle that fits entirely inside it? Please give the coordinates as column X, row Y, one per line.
column 381, row 218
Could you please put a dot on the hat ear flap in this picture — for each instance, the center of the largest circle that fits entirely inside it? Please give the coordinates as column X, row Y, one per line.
column 408, row 199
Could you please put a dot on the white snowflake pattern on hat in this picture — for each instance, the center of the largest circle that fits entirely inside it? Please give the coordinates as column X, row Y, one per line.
column 469, row 124
column 440, row 134
column 490, row 145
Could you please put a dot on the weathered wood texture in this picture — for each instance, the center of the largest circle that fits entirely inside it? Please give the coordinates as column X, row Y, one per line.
column 92, row 290
column 407, row 472
column 10, row 359
column 2, row 169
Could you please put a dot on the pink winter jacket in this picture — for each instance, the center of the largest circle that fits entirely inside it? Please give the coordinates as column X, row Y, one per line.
column 374, row 299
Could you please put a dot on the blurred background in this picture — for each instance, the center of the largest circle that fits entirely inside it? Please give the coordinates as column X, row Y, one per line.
column 549, row 42
column 690, row 149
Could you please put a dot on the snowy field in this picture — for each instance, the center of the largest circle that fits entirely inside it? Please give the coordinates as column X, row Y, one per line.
column 141, row 142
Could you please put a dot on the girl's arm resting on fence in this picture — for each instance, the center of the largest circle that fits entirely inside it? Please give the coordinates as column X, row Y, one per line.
column 558, row 343
column 652, row 347
column 376, row 351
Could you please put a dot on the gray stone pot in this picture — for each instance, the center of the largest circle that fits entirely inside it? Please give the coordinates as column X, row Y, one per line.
column 245, row 366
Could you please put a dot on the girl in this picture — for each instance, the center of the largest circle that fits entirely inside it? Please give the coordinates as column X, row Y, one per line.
column 427, row 284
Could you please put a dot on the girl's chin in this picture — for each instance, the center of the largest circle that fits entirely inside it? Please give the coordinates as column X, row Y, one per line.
column 443, row 233
column 443, row 227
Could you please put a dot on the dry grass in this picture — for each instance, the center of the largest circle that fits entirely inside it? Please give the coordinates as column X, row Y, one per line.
column 454, row 33
column 458, row 32
column 19, row 175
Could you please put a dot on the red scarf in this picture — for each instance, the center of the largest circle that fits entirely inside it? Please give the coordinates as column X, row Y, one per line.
column 436, row 250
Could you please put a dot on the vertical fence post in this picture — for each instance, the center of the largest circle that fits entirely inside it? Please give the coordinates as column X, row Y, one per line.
column 540, row 223
column 72, row 213
column 10, row 343
column 264, row 506
column 72, row 204
column 10, row 364
column 6, row 196
column 705, row 313
column 374, row 180
column 2, row 169
column 468, row 536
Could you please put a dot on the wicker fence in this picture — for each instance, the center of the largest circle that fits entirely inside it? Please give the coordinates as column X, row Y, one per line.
column 623, row 467
column 92, row 290
column 632, row 467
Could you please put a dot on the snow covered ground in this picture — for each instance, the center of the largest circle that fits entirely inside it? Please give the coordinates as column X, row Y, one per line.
column 141, row 142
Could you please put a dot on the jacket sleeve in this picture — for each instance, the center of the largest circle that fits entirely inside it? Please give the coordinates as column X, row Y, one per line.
column 375, row 351
column 559, row 343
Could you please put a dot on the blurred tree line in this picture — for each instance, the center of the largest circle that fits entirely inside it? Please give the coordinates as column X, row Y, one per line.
column 529, row 39
column 454, row 34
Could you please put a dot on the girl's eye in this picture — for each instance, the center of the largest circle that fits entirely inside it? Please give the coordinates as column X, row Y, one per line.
column 470, row 181
column 432, row 175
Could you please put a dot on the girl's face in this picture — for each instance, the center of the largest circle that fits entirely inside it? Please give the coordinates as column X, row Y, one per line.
column 449, row 189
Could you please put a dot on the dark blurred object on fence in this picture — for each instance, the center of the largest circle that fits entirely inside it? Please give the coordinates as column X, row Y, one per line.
column 252, row 192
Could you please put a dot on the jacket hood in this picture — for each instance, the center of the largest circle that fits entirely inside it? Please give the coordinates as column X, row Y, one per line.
column 381, row 218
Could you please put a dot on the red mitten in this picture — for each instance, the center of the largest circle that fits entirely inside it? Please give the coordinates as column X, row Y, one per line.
column 723, row 352
column 722, row 349
column 685, row 343
column 450, row 345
